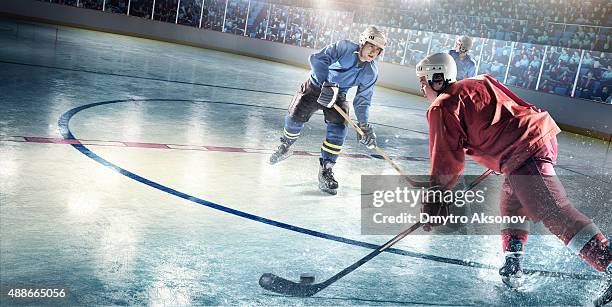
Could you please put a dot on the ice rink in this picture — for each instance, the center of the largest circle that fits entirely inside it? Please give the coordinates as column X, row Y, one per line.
column 136, row 172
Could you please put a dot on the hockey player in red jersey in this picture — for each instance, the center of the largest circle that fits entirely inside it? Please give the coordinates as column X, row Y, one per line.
column 481, row 118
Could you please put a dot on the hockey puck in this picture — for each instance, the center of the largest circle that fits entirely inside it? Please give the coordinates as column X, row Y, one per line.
column 306, row 278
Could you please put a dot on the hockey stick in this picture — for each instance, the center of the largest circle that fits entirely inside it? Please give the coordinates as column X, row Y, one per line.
column 281, row 285
column 377, row 149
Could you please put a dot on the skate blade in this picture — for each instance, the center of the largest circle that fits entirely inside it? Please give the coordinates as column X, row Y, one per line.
column 280, row 158
column 513, row 282
column 604, row 298
column 329, row 191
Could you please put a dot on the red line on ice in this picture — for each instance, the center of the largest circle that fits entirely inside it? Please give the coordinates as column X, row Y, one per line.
column 50, row 140
column 224, row 149
column 194, row 147
column 146, row 145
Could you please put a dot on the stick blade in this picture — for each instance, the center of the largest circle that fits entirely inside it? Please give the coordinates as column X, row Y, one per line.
column 280, row 285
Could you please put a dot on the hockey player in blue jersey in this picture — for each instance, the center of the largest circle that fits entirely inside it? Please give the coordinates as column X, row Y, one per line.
column 334, row 70
column 466, row 67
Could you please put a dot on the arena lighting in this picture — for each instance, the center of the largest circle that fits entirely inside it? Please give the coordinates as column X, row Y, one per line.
column 324, row 3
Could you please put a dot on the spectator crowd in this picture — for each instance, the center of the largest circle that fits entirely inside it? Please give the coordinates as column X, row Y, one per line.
column 555, row 46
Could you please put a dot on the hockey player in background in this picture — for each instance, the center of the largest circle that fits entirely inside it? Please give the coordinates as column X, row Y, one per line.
column 466, row 67
column 334, row 70
column 483, row 119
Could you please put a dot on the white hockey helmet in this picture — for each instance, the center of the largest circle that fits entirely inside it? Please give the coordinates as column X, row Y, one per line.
column 373, row 36
column 437, row 67
column 463, row 43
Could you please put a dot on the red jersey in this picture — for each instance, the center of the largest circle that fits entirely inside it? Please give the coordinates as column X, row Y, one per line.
column 483, row 119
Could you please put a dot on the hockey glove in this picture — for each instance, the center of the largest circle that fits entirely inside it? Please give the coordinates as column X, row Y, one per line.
column 329, row 93
column 369, row 137
column 433, row 204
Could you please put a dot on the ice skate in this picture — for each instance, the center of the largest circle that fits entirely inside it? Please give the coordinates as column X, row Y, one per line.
column 282, row 152
column 327, row 183
column 512, row 272
column 605, row 296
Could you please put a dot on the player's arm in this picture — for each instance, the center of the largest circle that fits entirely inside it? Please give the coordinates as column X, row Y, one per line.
column 446, row 153
column 361, row 104
column 447, row 159
column 363, row 99
column 320, row 61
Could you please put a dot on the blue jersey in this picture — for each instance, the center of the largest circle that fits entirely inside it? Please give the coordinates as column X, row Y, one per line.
column 339, row 63
column 466, row 68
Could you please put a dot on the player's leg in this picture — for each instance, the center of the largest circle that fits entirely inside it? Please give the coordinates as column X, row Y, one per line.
column 303, row 105
column 514, row 237
column 544, row 199
column 331, row 147
column 543, row 195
